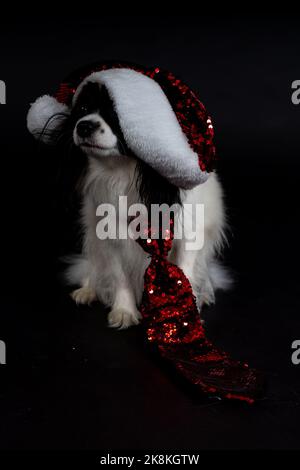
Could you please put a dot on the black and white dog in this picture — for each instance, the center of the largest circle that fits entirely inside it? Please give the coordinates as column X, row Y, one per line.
column 110, row 270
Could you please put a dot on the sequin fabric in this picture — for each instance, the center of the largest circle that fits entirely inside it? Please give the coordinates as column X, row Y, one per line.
column 173, row 326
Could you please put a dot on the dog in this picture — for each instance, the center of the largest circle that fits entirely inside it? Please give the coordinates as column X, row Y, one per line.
column 112, row 271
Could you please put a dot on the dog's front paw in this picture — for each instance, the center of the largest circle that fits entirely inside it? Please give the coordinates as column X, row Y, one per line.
column 84, row 295
column 122, row 318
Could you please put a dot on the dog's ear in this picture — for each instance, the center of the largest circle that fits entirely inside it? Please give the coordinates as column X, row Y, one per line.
column 46, row 117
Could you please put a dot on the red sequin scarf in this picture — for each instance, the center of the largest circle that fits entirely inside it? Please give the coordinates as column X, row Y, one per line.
column 173, row 325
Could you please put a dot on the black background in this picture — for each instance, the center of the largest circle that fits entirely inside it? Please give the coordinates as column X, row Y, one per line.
column 72, row 383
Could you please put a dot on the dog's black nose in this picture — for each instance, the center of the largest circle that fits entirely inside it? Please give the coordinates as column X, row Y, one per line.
column 86, row 128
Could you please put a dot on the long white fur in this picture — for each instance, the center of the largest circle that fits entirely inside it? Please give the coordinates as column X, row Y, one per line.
column 113, row 270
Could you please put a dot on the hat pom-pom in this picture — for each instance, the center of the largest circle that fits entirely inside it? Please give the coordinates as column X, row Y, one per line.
column 45, row 117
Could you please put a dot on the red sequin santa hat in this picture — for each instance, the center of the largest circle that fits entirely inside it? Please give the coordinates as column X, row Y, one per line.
column 163, row 121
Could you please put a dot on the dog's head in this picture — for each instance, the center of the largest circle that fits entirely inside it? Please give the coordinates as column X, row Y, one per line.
column 95, row 125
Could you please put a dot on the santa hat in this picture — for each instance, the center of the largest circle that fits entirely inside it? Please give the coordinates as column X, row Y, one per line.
column 163, row 121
